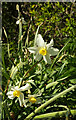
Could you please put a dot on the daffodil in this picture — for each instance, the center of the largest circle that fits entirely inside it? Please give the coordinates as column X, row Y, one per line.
column 41, row 49
column 33, row 99
column 17, row 92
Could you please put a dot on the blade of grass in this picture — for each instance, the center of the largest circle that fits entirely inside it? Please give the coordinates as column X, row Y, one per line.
column 7, row 42
column 7, row 111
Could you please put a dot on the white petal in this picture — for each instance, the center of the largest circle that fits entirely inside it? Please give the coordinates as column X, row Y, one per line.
column 17, row 22
column 25, row 104
column 50, row 44
column 32, row 49
column 26, row 87
column 35, row 95
column 10, row 95
column 16, row 88
column 38, row 57
column 21, row 99
column 47, row 59
column 30, row 96
column 12, row 88
column 39, row 41
column 38, row 101
column 53, row 51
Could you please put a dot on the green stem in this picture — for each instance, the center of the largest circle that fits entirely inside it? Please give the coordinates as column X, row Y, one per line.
column 28, row 72
column 49, row 101
column 31, row 68
column 54, row 114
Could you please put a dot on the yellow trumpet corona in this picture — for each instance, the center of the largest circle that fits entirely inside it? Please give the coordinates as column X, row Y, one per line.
column 16, row 93
column 42, row 51
column 32, row 99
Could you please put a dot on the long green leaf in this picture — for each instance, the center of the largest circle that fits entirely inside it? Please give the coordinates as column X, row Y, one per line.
column 59, row 53
column 15, row 69
column 54, row 114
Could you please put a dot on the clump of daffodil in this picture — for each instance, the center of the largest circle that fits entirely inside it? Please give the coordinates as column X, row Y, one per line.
column 17, row 92
column 41, row 49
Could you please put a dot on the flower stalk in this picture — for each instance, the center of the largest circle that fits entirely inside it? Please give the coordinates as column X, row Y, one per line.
column 31, row 68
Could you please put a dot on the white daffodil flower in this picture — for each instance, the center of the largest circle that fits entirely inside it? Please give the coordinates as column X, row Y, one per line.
column 41, row 49
column 17, row 92
column 33, row 99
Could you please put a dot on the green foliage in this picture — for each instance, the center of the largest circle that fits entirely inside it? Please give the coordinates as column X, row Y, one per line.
column 51, row 20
